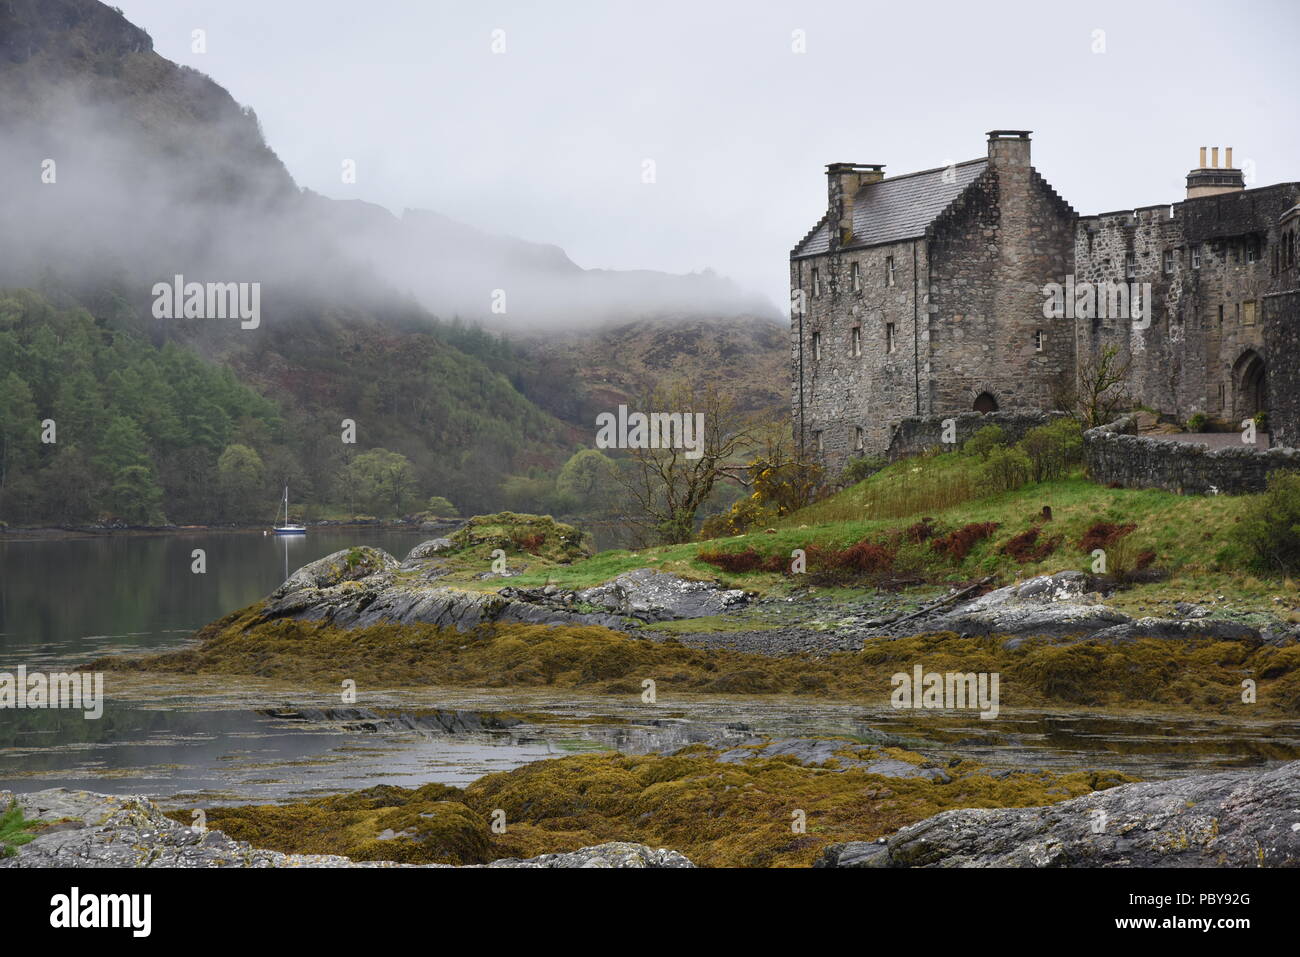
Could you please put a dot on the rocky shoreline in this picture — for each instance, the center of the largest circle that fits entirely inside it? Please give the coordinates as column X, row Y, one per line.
column 1231, row 819
column 1228, row 819
column 88, row 830
column 359, row 587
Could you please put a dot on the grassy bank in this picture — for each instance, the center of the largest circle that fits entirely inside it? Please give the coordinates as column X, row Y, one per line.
column 1185, row 543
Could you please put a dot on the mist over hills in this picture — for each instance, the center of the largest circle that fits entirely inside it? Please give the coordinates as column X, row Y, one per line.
column 158, row 170
column 122, row 170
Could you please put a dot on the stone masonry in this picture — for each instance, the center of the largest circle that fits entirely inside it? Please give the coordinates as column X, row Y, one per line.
column 923, row 295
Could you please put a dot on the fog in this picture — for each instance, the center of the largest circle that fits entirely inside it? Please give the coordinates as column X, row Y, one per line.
column 675, row 138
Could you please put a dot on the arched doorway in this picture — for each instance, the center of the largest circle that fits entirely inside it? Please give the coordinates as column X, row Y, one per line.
column 1250, row 378
column 984, row 402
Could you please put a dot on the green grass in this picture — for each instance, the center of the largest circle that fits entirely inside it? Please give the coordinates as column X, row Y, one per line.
column 15, row 831
column 1190, row 536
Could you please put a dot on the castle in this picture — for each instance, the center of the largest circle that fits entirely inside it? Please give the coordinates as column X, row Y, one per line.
column 925, row 294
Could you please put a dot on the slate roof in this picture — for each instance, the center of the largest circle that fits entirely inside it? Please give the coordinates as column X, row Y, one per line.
column 896, row 208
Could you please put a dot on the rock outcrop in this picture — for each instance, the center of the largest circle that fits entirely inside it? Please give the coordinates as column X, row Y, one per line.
column 87, row 830
column 1228, row 819
column 358, row 587
column 1068, row 606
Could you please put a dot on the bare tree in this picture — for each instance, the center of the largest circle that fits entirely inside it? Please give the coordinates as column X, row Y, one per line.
column 666, row 487
column 1102, row 387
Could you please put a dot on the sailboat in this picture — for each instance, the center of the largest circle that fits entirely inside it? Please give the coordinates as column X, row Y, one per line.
column 288, row 528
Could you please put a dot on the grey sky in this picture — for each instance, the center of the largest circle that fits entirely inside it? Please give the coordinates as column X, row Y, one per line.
column 546, row 141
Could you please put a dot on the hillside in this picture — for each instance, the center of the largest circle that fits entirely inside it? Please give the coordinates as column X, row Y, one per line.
column 125, row 169
column 577, row 374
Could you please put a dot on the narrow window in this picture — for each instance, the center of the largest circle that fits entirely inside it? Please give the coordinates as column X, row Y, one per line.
column 889, row 270
column 857, row 438
column 1252, row 250
column 1130, row 266
column 1169, row 260
column 1196, row 256
column 817, row 283
column 855, row 278
column 855, row 345
column 1220, row 313
column 817, row 346
column 890, row 337
column 1220, row 396
column 818, row 436
column 1038, row 340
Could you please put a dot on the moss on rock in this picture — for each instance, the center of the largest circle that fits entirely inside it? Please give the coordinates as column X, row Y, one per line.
column 717, row 813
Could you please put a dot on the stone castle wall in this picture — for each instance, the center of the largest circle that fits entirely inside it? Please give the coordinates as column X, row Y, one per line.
column 1189, row 353
column 920, row 433
column 1116, row 456
column 1281, row 326
column 991, row 254
column 845, row 392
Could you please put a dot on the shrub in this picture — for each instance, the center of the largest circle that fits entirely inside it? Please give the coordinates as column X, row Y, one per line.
column 1026, row 547
column 1053, row 449
column 1197, row 422
column 746, row 560
column 1103, row 535
column 861, row 468
column 957, row 544
column 1270, row 526
column 1006, row 469
column 985, row 441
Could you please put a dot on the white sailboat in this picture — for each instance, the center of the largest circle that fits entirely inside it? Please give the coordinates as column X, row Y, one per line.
column 288, row 528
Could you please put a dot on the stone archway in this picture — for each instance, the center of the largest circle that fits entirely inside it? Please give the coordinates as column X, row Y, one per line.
column 985, row 402
column 1250, row 383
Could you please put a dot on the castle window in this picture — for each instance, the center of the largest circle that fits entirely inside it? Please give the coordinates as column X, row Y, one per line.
column 889, row 270
column 1169, row 260
column 1220, row 396
column 1196, row 255
column 1248, row 314
column 1220, row 313
column 818, row 436
column 817, row 283
column 817, row 346
column 1252, row 250
column 855, row 278
column 855, row 341
column 890, row 337
column 857, row 438
column 1130, row 266
column 1038, row 340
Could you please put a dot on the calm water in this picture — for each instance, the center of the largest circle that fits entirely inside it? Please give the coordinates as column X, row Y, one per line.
column 191, row 740
column 78, row 599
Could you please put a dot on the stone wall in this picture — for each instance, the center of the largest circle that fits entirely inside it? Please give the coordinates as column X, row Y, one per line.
column 1115, row 455
column 1281, row 322
column 855, row 396
column 991, row 254
column 918, row 433
column 1189, row 354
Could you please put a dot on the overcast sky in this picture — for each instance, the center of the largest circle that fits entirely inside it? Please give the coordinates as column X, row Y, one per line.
column 548, row 140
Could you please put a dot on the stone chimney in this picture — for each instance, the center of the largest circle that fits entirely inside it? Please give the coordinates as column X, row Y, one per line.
column 843, row 180
column 1009, row 148
column 1213, row 179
